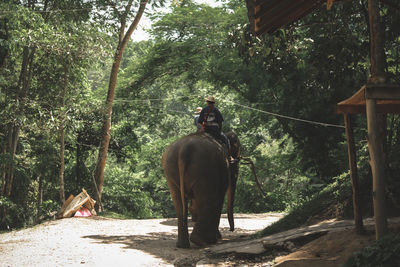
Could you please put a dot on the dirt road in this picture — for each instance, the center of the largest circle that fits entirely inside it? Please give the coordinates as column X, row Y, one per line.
column 110, row 242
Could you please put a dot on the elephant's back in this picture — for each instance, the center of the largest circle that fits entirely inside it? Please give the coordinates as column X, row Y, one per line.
column 201, row 149
column 195, row 157
column 194, row 148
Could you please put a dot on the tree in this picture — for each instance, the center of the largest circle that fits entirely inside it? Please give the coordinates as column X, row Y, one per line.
column 49, row 49
column 123, row 39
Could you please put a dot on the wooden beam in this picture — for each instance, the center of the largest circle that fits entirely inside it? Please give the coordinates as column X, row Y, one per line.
column 270, row 15
column 383, row 91
column 353, row 174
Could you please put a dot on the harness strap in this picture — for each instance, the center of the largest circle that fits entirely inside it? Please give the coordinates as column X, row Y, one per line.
column 203, row 124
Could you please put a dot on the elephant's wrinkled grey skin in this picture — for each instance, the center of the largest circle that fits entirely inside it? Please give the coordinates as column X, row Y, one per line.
column 197, row 169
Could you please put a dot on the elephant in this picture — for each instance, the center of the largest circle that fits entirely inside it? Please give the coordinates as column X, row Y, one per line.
column 197, row 169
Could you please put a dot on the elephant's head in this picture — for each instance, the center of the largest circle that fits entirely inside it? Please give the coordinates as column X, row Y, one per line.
column 234, row 172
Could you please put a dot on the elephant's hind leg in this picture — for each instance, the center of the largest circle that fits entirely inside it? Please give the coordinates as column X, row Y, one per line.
column 183, row 234
column 204, row 231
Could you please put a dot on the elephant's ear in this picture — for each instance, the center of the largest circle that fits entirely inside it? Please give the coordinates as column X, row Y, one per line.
column 235, row 144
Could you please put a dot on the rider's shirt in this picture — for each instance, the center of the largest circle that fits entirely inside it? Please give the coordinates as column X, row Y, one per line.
column 214, row 119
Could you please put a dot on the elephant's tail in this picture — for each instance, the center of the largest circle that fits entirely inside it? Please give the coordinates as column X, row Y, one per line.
column 182, row 167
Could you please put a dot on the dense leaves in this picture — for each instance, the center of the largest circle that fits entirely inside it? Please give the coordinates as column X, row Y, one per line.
column 277, row 92
column 384, row 252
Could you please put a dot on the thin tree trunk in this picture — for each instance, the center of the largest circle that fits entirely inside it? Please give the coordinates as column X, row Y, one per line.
column 13, row 142
column 3, row 35
column 14, row 128
column 105, row 140
column 78, row 162
column 62, row 135
column 62, row 164
column 40, row 197
column 3, row 173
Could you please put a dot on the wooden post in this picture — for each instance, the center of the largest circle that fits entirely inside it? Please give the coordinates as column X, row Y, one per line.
column 375, row 139
column 375, row 146
column 353, row 174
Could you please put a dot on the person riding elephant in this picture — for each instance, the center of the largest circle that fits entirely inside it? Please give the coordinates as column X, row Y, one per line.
column 211, row 119
column 197, row 170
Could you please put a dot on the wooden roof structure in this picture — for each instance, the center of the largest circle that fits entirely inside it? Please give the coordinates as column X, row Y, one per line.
column 356, row 103
column 269, row 15
column 266, row 16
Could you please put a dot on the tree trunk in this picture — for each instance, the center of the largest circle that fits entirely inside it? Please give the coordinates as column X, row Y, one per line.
column 105, row 140
column 4, row 36
column 78, row 162
column 3, row 173
column 39, row 197
column 14, row 128
column 375, row 138
column 62, row 164
column 12, row 145
column 62, row 134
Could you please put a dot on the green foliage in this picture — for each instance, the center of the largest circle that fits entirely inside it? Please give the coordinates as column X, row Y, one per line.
column 14, row 215
column 277, row 170
column 299, row 71
column 385, row 252
column 123, row 193
column 48, row 207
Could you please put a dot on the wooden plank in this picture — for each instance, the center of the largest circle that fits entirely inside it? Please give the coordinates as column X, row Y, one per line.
column 383, row 91
column 250, row 14
column 64, row 206
column 283, row 13
column 75, row 204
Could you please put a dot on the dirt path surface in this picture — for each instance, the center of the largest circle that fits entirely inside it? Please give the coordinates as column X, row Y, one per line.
column 99, row 241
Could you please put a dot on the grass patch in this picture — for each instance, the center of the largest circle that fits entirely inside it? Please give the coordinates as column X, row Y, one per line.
column 334, row 193
column 299, row 215
column 114, row 215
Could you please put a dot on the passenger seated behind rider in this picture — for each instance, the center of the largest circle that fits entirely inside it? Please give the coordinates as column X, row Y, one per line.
column 196, row 119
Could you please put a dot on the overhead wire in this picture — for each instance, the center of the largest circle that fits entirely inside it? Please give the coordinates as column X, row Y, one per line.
column 148, row 100
column 289, row 117
column 243, row 106
column 60, row 10
column 48, row 11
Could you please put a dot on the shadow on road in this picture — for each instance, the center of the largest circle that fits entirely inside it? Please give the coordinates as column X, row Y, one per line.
column 174, row 222
column 163, row 244
column 160, row 244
